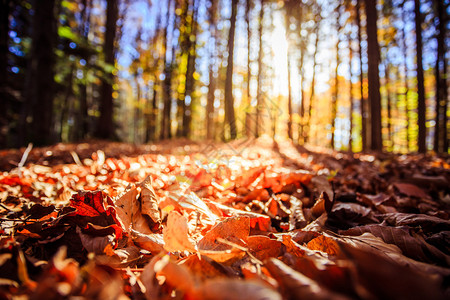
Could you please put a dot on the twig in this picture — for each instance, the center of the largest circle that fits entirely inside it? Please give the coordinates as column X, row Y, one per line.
column 76, row 158
column 24, row 158
column 234, row 245
column 5, row 207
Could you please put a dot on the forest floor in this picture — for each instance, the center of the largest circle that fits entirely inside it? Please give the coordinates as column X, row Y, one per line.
column 250, row 219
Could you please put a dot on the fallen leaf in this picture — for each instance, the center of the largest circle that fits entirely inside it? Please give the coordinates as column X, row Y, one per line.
column 176, row 234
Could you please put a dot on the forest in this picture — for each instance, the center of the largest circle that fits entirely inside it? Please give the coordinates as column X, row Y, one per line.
column 224, row 149
column 350, row 75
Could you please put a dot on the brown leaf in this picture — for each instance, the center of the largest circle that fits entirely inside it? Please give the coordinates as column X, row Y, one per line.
column 176, row 234
column 149, row 200
column 235, row 229
column 234, row 289
column 153, row 242
column 380, row 276
column 410, row 190
column 411, row 244
column 295, row 285
column 263, row 247
column 425, row 222
column 129, row 211
column 324, row 244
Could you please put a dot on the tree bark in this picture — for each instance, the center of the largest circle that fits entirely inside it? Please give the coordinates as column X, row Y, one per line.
column 248, row 130
column 389, row 104
column 166, row 132
column 420, row 81
column 212, row 18
column 363, row 104
column 229, row 101
column 313, row 80
column 190, row 69
column 373, row 76
column 289, row 124
column 105, row 126
column 40, row 89
column 336, row 83
column 259, row 96
column 405, row 68
column 350, row 140
column 440, row 134
column 4, row 29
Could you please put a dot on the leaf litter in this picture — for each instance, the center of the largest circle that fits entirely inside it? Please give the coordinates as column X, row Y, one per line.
column 270, row 220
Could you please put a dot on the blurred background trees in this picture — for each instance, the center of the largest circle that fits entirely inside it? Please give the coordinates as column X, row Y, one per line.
column 349, row 74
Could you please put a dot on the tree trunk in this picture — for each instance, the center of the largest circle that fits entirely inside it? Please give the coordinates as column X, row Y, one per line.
column 420, row 82
column 212, row 19
column 40, row 90
column 313, row 80
column 229, row 101
column 190, row 69
column 389, row 104
column 373, row 76
column 166, row 84
column 248, row 130
column 289, row 124
column 440, row 134
column 105, row 127
column 4, row 29
column 363, row 105
column 336, row 83
column 301, row 130
column 405, row 68
column 259, row 96
column 350, row 57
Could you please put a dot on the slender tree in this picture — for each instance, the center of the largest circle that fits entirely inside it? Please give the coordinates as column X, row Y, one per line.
column 350, row 92
column 4, row 29
column 259, row 95
column 248, row 5
column 373, row 76
column 105, row 126
column 229, row 100
column 287, row 17
column 166, row 131
column 212, row 19
column 336, row 76
column 420, row 81
column 362, row 103
column 440, row 133
column 40, row 85
column 313, row 80
column 406, row 71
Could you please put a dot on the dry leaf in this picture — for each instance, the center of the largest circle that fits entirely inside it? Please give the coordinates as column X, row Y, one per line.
column 176, row 234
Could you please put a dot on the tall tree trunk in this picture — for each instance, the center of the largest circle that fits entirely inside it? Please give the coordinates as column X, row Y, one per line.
column 82, row 120
column 440, row 134
column 136, row 109
column 289, row 124
column 363, row 104
column 229, row 101
column 301, row 131
column 4, row 30
column 105, row 126
column 166, row 84
column 405, row 68
column 313, row 80
column 373, row 76
column 259, row 96
column 40, row 90
column 389, row 103
column 190, row 69
column 420, row 82
column 248, row 130
column 212, row 19
column 350, row 58
column 336, row 83
column 290, row 113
